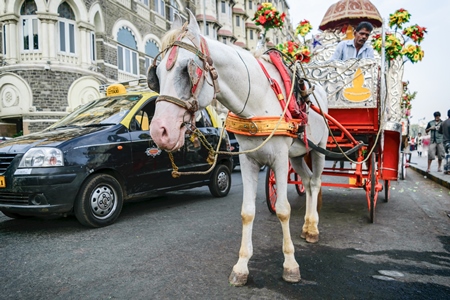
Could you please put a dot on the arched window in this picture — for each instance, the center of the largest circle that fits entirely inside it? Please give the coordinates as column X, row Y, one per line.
column 30, row 26
column 66, row 28
column 127, row 59
column 151, row 50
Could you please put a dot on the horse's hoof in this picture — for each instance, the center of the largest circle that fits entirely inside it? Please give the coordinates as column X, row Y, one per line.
column 237, row 279
column 291, row 275
column 303, row 235
column 312, row 238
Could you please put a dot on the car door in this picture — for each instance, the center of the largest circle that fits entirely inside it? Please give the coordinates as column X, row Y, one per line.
column 151, row 167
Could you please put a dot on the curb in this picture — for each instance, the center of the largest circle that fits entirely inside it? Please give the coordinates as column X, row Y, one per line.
column 431, row 176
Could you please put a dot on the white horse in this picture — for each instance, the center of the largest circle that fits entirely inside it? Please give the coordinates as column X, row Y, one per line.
column 187, row 80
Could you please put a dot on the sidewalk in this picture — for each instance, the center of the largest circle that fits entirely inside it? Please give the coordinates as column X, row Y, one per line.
column 419, row 164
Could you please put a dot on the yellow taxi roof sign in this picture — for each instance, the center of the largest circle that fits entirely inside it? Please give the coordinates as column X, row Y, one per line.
column 116, row 89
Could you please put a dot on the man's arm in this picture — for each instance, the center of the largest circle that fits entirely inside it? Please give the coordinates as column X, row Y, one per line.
column 429, row 127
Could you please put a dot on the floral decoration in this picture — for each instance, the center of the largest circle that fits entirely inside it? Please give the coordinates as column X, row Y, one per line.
column 406, row 99
column 401, row 43
column 267, row 16
column 303, row 28
column 400, row 17
column 413, row 52
column 415, row 32
column 295, row 51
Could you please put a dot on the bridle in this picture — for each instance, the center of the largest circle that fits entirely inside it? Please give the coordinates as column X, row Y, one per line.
column 197, row 74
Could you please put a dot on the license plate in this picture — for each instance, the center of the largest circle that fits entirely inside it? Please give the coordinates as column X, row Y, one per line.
column 2, row 182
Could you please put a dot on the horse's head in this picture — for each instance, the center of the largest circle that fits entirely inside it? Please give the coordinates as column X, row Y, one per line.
column 186, row 81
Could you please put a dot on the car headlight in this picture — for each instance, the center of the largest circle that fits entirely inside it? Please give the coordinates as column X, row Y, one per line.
column 42, row 157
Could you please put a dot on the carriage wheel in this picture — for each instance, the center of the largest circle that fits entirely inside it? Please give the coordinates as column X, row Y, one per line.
column 371, row 192
column 387, row 190
column 271, row 190
column 299, row 186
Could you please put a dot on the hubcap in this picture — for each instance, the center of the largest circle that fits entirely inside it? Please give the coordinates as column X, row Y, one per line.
column 222, row 181
column 103, row 202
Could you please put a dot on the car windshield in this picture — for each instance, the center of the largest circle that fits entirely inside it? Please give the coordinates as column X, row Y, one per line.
column 104, row 111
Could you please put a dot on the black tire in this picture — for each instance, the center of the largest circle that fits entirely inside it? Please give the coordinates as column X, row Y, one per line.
column 271, row 191
column 14, row 215
column 387, row 192
column 372, row 187
column 220, row 183
column 98, row 189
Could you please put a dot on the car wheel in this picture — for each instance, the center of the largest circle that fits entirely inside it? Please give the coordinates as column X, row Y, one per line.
column 99, row 201
column 14, row 215
column 220, row 181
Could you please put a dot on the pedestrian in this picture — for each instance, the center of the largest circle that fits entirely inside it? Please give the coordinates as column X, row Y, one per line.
column 356, row 48
column 419, row 144
column 445, row 130
column 436, row 147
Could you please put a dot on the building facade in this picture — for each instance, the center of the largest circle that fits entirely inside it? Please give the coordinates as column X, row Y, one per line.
column 55, row 54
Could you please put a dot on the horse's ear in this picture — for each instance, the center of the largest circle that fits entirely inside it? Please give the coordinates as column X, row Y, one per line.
column 177, row 22
column 193, row 25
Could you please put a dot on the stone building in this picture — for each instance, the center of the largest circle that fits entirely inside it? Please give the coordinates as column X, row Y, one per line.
column 54, row 54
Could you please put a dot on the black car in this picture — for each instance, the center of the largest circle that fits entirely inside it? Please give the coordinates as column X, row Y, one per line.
column 100, row 155
column 234, row 148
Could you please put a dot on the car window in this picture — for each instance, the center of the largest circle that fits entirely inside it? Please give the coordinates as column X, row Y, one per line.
column 203, row 119
column 142, row 119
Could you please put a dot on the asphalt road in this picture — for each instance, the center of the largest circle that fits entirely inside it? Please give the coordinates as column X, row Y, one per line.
column 184, row 245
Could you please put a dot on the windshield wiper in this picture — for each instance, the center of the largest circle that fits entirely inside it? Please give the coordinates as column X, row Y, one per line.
column 67, row 126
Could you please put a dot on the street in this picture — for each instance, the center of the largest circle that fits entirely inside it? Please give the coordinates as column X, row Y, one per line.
column 184, row 245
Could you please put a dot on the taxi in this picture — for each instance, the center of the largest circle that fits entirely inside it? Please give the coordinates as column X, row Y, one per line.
column 93, row 160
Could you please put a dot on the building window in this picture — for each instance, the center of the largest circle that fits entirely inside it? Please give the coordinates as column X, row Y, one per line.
column 66, row 28
column 151, row 50
column 250, row 4
column 224, row 40
column 251, row 34
column 93, row 48
column 160, row 7
column 30, row 26
column 127, row 56
column 207, row 29
column 237, row 21
column 145, row 2
column 172, row 8
column 223, row 7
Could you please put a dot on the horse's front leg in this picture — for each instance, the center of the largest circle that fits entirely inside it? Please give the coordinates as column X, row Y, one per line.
column 249, row 173
column 291, row 270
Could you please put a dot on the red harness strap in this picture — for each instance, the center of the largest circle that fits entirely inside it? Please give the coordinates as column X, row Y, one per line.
column 278, row 92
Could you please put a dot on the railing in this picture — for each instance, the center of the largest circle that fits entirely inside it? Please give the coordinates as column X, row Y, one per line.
column 30, row 56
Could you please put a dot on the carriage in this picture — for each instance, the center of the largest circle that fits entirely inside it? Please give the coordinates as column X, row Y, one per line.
column 365, row 124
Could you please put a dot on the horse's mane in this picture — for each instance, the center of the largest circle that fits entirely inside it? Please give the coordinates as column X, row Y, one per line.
column 170, row 37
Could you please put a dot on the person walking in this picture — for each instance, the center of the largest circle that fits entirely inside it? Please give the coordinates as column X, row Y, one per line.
column 419, row 144
column 436, row 148
column 444, row 129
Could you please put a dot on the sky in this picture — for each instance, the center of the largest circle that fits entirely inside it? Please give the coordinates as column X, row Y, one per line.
column 429, row 77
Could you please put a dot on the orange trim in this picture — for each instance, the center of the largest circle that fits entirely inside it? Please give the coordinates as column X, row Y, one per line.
column 262, row 126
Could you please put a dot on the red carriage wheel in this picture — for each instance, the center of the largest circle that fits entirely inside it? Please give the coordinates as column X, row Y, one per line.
column 299, row 186
column 271, row 190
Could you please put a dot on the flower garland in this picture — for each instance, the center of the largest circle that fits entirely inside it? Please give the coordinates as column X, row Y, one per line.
column 295, row 51
column 406, row 99
column 400, row 17
column 415, row 32
column 267, row 16
column 303, row 28
column 404, row 44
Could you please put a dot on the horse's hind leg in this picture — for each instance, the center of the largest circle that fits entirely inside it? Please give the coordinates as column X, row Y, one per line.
column 249, row 172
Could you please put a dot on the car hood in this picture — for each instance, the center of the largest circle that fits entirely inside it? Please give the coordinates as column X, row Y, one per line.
column 45, row 138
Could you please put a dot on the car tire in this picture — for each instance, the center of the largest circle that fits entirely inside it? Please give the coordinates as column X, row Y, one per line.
column 99, row 201
column 14, row 215
column 220, row 183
